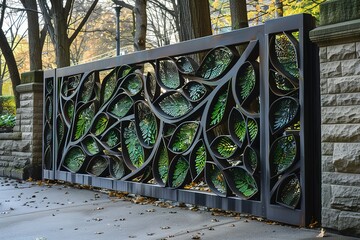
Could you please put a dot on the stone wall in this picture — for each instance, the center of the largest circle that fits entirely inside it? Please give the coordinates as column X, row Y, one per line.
column 21, row 150
column 339, row 42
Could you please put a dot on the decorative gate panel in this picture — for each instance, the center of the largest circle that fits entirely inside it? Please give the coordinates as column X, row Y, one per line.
column 238, row 130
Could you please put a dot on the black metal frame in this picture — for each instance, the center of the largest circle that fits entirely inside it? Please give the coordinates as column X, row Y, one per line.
column 308, row 166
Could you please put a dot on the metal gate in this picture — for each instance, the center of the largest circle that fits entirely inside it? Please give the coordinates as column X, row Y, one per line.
column 238, row 130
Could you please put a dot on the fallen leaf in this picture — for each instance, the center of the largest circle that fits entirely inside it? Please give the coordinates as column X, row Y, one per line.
column 196, row 236
column 166, row 227
column 150, row 210
column 321, row 234
column 150, row 234
column 214, row 220
column 99, row 232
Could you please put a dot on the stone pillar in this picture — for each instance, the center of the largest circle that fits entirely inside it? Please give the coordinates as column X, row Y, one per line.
column 21, row 151
column 339, row 40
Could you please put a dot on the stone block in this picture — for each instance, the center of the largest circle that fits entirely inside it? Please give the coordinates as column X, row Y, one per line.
column 330, row 69
column 322, row 54
column 339, row 11
column 324, row 86
column 327, row 148
column 26, row 96
column 345, row 179
column 26, row 128
column 32, row 77
column 329, row 218
column 344, row 84
column 346, row 99
column 26, row 104
column 358, row 49
column 350, row 67
column 325, row 195
column 18, row 173
column 347, row 157
column 341, row 52
column 340, row 114
column 328, row 100
column 340, row 133
column 327, row 163
column 345, row 198
column 21, row 146
column 349, row 223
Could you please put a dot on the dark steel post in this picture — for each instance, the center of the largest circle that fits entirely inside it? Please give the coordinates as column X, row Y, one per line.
column 117, row 11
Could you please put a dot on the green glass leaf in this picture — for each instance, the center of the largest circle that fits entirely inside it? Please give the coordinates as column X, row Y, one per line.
column 250, row 159
column 281, row 82
column 286, row 54
column 218, row 110
column 180, row 172
column 195, row 90
column 100, row 124
column 246, row 81
column 289, row 192
column 69, row 108
column 244, row 182
column 282, row 154
column 132, row 84
column 163, row 165
column 215, row 63
column 283, row 112
column 240, row 130
column 83, row 122
column 183, row 137
column 49, row 109
column 87, row 88
column 74, row 159
column 97, row 165
column 117, row 168
column 91, row 145
column 175, row 105
column 216, row 178
column 121, row 107
column 60, row 129
column 112, row 138
column 252, row 129
column 224, row 146
column 147, row 123
column 168, row 74
column 200, row 159
column 133, row 146
column 110, row 83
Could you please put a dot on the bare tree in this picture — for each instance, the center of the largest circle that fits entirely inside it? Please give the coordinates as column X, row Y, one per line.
column 238, row 11
column 140, row 25
column 58, row 20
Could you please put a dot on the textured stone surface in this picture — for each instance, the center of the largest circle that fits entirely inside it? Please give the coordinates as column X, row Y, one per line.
column 326, row 195
column 324, row 86
column 344, row 85
column 350, row 67
column 340, row 114
column 358, row 49
column 336, row 11
column 327, row 148
column 347, row 157
column 323, row 54
column 345, row 99
column 327, row 163
column 330, row 69
column 349, row 223
column 328, row 100
column 340, row 133
column 341, row 51
column 345, row 198
column 330, row 218
column 345, row 179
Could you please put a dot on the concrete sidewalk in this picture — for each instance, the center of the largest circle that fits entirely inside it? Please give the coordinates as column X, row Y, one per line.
column 29, row 211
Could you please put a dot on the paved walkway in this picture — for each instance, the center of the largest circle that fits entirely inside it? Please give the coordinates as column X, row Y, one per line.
column 32, row 211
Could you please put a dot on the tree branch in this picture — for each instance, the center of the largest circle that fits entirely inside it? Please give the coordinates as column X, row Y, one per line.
column 123, row 4
column 46, row 12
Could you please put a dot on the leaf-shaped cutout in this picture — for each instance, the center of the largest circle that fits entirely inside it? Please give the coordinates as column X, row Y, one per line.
column 168, row 74
column 74, row 159
column 194, row 91
column 120, row 106
column 289, row 192
column 253, row 129
column 286, row 54
column 146, row 124
column 169, row 130
column 174, row 104
column 69, row 111
column 49, row 85
column 108, row 85
column 49, row 109
column 183, row 137
column 112, row 138
column 246, row 81
column 161, row 164
column 237, row 126
column 186, row 65
column 215, row 179
column 87, row 87
column 132, row 148
column 124, row 71
column 283, row 112
column 98, row 166
column 283, row 154
column 48, row 134
column 116, row 167
column 48, row 158
column 69, row 84
column 179, row 171
column 100, row 124
column 132, row 84
column 241, row 182
column 152, row 88
column 90, row 146
column 60, row 129
column 198, row 159
column 218, row 107
column 250, row 159
column 216, row 63
column 223, row 147
column 279, row 84
column 83, row 121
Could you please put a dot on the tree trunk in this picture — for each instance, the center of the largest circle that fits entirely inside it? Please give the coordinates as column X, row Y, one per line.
column 140, row 25
column 279, row 11
column 35, row 45
column 194, row 18
column 62, row 43
column 12, row 66
column 238, row 12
